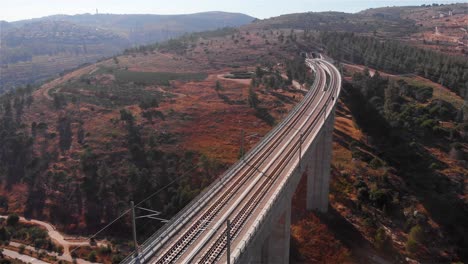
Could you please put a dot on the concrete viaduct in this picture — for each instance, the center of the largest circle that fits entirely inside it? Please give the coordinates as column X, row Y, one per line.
column 245, row 216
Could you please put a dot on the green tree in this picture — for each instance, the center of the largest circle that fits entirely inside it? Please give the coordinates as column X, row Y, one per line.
column 382, row 241
column 253, row 99
column 65, row 133
column 391, row 98
column 4, row 234
column 117, row 258
column 92, row 257
column 415, row 239
column 218, row 86
column 416, row 233
column 12, row 219
column 259, row 72
column 21, row 249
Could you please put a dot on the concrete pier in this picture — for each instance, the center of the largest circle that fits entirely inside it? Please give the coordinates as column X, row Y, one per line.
column 271, row 243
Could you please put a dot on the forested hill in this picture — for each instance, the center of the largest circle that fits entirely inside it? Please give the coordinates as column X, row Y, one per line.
column 339, row 21
column 392, row 56
column 145, row 29
column 415, row 25
column 75, row 151
column 54, row 37
column 36, row 49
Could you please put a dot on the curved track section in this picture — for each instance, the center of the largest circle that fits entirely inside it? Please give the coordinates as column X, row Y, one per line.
column 198, row 234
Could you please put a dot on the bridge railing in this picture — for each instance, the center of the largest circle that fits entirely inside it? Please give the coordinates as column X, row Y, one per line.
column 268, row 209
column 149, row 247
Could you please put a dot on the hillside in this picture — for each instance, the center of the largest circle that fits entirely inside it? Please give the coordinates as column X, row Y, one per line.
column 146, row 29
column 37, row 49
column 83, row 145
column 20, row 65
column 77, row 149
column 338, row 21
column 52, row 37
column 415, row 25
column 441, row 27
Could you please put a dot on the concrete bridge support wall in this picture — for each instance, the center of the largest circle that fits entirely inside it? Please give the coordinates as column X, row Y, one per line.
column 271, row 243
column 318, row 175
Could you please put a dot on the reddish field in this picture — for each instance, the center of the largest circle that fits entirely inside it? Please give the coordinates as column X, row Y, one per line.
column 197, row 117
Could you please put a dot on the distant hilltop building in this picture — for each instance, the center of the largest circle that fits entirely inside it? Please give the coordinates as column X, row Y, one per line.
column 443, row 14
column 97, row 12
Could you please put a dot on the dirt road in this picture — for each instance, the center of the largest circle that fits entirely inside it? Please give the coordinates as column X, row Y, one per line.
column 58, row 237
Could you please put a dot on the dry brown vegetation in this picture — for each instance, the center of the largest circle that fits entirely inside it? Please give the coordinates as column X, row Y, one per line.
column 193, row 125
column 194, row 128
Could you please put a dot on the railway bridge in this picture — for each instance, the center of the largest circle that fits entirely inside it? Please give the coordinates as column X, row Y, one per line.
column 245, row 216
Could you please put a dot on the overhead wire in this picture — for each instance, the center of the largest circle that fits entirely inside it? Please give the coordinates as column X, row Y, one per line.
column 139, row 203
column 345, row 49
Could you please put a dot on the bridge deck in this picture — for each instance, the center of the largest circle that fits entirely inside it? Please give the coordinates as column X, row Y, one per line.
column 241, row 196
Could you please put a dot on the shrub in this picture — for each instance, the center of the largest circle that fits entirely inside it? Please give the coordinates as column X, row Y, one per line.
column 149, row 103
column 429, row 124
column 21, row 249
column 369, row 222
column 3, row 202
column 416, row 233
column 60, row 250
column 5, row 261
column 434, row 166
column 415, row 238
column 376, row 163
column 4, row 234
column 92, row 256
column 39, row 243
column 411, row 246
column 263, row 114
column 117, row 259
column 218, row 86
column 379, row 197
column 456, row 145
column 363, row 194
column 37, row 233
column 105, row 250
column 12, row 219
column 382, row 241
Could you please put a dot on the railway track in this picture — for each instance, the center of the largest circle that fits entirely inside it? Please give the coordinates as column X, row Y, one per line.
column 195, row 230
column 217, row 248
column 198, row 234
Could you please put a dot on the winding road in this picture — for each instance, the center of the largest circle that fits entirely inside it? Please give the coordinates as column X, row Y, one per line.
column 58, row 238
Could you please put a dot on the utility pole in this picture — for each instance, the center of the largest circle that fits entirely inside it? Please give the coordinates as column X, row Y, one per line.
column 242, row 151
column 134, row 232
column 228, row 235
column 325, row 113
column 300, row 150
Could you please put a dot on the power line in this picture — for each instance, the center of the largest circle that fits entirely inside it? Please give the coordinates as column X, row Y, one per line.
column 130, row 209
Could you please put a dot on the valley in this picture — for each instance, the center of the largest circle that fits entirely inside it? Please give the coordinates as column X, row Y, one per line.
column 160, row 122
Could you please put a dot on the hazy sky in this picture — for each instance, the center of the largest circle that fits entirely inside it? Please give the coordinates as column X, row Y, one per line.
column 12, row 10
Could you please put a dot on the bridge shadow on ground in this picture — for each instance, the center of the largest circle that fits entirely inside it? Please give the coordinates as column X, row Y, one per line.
column 351, row 237
column 338, row 227
column 414, row 164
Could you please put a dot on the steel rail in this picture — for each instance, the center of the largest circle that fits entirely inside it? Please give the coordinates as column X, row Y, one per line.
column 195, row 230
column 219, row 245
